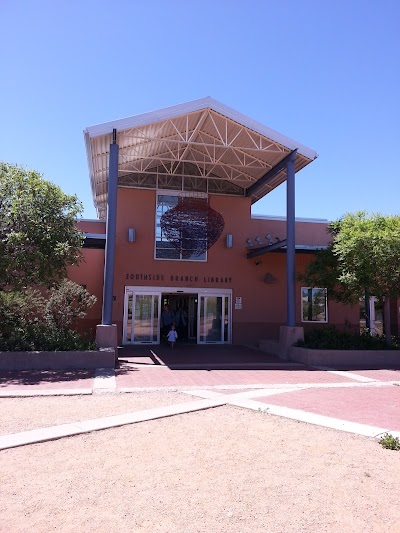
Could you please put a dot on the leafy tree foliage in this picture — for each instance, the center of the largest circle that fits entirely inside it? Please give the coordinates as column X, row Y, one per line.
column 38, row 240
column 324, row 271
column 368, row 252
column 363, row 255
column 38, row 234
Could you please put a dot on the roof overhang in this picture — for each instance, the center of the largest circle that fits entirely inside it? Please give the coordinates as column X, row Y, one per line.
column 201, row 146
column 281, row 247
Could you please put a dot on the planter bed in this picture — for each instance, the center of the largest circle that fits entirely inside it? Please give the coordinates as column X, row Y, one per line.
column 371, row 359
column 79, row 360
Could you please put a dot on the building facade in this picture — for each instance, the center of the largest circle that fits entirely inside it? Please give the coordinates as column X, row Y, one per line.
column 173, row 190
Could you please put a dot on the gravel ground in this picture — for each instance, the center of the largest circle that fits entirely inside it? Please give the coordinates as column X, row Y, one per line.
column 221, row 470
column 23, row 414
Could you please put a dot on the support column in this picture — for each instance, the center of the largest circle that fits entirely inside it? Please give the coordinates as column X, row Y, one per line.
column 289, row 334
column 111, row 229
column 106, row 332
column 291, row 242
column 372, row 301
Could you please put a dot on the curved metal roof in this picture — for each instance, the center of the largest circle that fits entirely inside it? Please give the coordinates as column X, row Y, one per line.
column 201, row 146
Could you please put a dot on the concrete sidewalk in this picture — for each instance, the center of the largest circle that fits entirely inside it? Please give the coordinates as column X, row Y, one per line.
column 365, row 402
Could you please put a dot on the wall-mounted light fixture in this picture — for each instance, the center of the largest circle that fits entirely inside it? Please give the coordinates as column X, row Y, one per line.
column 229, row 240
column 131, row 235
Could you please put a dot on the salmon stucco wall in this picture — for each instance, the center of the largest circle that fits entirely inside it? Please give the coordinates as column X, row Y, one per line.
column 263, row 302
column 90, row 274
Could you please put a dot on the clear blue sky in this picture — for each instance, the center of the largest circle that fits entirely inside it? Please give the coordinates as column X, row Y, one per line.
column 324, row 73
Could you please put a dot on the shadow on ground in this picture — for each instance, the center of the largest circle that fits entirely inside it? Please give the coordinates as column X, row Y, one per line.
column 36, row 377
column 198, row 357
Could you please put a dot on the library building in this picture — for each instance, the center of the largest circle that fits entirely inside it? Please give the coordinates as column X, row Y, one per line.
column 175, row 241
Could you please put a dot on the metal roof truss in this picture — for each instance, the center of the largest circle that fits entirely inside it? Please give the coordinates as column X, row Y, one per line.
column 201, row 150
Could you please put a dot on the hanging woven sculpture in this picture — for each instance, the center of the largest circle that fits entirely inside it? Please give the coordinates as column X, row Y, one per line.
column 192, row 226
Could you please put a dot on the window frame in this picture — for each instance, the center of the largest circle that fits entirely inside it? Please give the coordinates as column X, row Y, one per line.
column 311, row 303
column 177, row 193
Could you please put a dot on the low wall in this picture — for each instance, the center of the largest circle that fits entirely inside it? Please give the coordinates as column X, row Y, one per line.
column 247, row 333
column 346, row 358
column 79, row 360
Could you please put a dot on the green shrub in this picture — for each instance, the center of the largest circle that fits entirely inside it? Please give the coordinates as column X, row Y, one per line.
column 67, row 302
column 330, row 338
column 389, row 442
column 47, row 337
column 29, row 321
column 20, row 313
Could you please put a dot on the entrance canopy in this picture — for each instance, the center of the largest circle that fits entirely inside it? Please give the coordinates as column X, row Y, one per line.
column 201, row 146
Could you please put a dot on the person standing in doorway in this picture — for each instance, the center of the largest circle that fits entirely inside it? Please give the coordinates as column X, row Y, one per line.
column 167, row 320
column 181, row 322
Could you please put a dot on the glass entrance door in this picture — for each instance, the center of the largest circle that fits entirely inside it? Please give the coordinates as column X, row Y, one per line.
column 192, row 317
column 208, row 314
column 142, row 324
column 214, row 319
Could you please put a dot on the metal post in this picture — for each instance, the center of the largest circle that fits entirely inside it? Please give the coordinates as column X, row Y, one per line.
column 291, row 240
column 367, row 310
column 111, row 233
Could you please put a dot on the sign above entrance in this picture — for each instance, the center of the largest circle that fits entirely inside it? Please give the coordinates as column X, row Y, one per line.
column 178, row 279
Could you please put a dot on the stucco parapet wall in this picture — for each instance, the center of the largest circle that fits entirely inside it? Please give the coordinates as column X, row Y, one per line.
column 346, row 358
column 79, row 360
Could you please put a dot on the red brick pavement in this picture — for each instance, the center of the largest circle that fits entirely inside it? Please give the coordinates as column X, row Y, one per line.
column 164, row 377
column 375, row 406
column 367, row 404
column 127, row 377
column 380, row 375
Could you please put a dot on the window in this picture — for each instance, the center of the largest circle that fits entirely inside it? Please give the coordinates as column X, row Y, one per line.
column 314, row 305
column 188, row 248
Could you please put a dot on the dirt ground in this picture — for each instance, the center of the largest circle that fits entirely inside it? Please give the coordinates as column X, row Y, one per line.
column 225, row 469
column 23, row 414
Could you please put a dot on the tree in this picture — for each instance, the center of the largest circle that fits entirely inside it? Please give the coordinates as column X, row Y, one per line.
column 38, row 233
column 363, row 256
